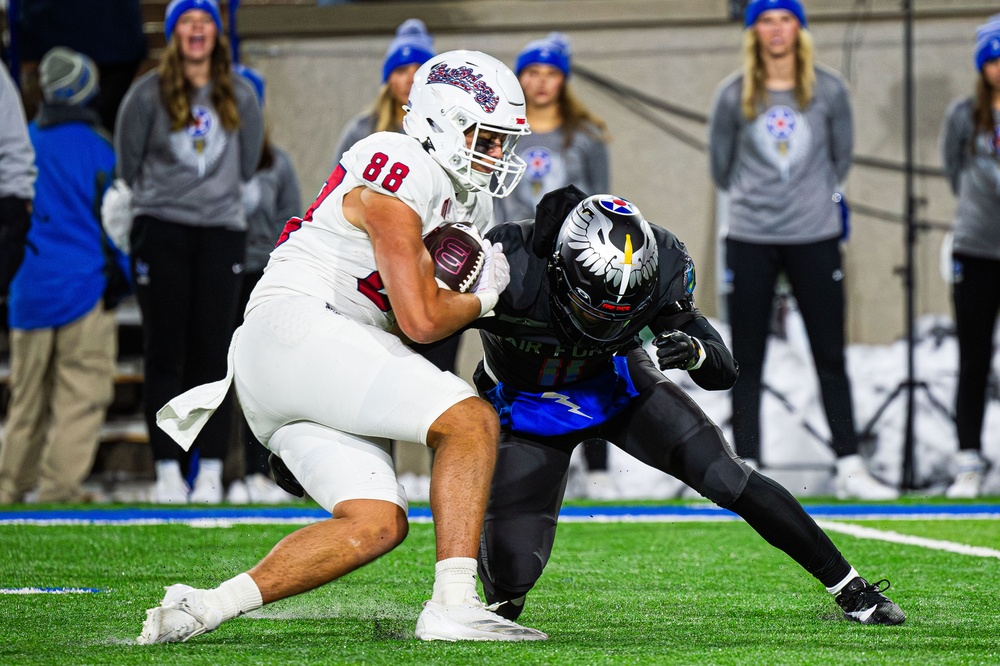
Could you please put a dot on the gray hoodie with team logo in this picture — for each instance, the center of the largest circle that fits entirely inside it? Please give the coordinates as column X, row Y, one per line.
column 191, row 176
column 782, row 168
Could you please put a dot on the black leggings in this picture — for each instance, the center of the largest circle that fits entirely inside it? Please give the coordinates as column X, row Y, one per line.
column 187, row 284
column 976, row 296
column 816, row 277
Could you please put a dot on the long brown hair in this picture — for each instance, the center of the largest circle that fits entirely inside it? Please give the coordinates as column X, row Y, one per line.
column 176, row 91
column 982, row 108
column 576, row 117
column 754, row 75
column 388, row 112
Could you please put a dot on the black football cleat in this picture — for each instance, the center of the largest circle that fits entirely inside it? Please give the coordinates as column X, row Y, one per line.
column 864, row 602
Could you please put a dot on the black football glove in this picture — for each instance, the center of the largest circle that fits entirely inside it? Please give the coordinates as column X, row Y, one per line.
column 677, row 349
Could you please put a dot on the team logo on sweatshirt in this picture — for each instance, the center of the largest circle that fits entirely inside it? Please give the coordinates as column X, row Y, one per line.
column 202, row 142
column 202, row 124
column 782, row 136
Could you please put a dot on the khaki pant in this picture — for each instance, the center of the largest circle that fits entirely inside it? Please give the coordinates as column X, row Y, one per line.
column 62, row 381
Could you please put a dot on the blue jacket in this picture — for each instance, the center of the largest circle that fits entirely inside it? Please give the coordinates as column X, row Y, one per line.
column 63, row 274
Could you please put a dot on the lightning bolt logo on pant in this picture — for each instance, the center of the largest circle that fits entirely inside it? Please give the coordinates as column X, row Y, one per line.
column 564, row 400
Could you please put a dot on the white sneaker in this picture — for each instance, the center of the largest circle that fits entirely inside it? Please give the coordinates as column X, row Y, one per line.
column 262, row 490
column 417, row 487
column 970, row 469
column 181, row 615
column 238, row 493
column 601, row 486
column 471, row 621
column 170, row 486
column 208, row 484
column 854, row 481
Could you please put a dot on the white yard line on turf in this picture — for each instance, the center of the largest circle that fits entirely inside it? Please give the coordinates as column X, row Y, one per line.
column 895, row 537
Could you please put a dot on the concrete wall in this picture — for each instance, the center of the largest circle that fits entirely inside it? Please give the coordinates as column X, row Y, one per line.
column 324, row 66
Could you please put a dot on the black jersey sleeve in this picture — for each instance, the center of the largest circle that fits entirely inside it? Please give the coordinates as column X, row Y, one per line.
column 677, row 311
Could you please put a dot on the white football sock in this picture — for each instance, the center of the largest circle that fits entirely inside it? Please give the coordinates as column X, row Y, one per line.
column 235, row 597
column 454, row 580
column 835, row 590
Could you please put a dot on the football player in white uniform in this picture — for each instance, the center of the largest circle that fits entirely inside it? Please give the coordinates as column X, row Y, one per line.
column 325, row 380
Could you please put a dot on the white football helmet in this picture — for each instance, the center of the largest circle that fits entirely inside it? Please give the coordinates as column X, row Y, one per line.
column 457, row 94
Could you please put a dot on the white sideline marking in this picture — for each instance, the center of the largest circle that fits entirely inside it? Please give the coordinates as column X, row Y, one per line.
column 895, row 537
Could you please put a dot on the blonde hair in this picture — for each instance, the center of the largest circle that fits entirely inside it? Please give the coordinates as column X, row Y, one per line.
column 176, row 91
column 388, row 111
column 754, row 75
column 576, row 117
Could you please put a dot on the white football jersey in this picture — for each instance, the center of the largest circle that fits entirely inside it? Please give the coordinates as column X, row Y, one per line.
column 325, row 256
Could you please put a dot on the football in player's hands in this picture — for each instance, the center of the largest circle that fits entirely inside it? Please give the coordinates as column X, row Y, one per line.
column 457, row 252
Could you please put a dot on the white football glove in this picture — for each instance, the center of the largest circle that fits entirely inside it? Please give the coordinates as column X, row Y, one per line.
column 493, row 278
column 117, row 214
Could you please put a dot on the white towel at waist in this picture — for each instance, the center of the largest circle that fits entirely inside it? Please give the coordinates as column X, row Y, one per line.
column 183, row 417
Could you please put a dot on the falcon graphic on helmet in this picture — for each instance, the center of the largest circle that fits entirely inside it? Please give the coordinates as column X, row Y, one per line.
column 603, row 270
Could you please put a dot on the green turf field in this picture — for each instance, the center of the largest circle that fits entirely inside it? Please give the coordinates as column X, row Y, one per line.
column 613, row 593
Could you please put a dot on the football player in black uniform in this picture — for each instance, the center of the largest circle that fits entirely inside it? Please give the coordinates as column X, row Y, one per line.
column 564, row 363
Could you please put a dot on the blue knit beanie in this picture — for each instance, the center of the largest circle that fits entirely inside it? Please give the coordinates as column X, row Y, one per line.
column 178, row 7
column 988, row 41
column 554, row 50
column 412, row 44
column 254, row 78
column 758, row 7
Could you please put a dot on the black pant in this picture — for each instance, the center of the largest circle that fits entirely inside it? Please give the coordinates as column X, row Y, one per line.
column 187, row 284
column 976, row 296
column 255, row 454
column 815, row 274
column 664, row 428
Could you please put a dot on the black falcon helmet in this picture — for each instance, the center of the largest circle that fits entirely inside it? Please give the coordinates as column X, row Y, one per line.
column 603, row 270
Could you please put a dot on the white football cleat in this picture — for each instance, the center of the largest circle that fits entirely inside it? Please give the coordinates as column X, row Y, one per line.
column 181, row 615
column 970, row 468
column 471, row 621
column 854, row 481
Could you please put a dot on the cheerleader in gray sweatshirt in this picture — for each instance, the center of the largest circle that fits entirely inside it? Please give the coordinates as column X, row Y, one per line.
column 188, row 133
column 970, row 147
column 780, row 139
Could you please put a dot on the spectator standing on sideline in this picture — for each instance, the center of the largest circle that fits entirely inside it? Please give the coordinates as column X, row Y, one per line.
column 270, row 198
column 63, row 338
column 109, row 31
column 17, row 184
column 187, row 135
column 567, row 145
column 780, row 138
column 970, row 147
column 325, row 379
